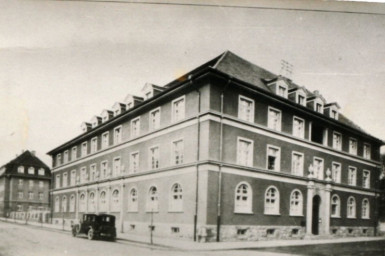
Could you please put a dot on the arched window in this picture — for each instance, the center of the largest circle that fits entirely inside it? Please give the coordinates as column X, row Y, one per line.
column 272, row 200
column 176, row 198
column 64, row 204
column 72, row 203
column 152, row 200
column 115, row 200
column 243, row 199
column 335, row 206
column 57, row 204
column 103, row 201
column 82, row 203
column 365, row 208
column 91, row 202
column 133, row 200
column 296, row 203
column 351, row 209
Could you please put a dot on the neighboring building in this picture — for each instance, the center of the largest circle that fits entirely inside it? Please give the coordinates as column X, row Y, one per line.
column 228, row 151
column 24, row 188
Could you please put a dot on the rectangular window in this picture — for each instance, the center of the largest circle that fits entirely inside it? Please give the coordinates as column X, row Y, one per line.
column 41, row 184
column 41, row 196
column 135, row 127
column 94, row 144
column 246, row 109
column 334, row 114
column 352, row 176
column 298, row 127
column 73, row 177
column 178, row 109
column 58, row 160
column 105, row 140
column 337, row 140
column 245, row 152
column 65, row 159
column 177, row 152
column 274, row 119
column 134, row 162
column 353, row 146
column 74, row 153
column 41, row 172
column 57, row 181
column 117, row 135
column 273, row 158
column 103, row 169
column 84, row 149
column 154, row 157
column 318, row 108
column 31, row 183
column 116, row 167
column 30, row 195
column 65, row 179
column 93, row 172
column 20, row 169
column 301, row 100
column 367, row 152
column 21, row 182
column 297, row 163
column 282, row 91
column 336, row 172
column 83, row 175
column 154, row 119
column 318, row 167
column 366, row 179
column 20, row 195
column 31, row 170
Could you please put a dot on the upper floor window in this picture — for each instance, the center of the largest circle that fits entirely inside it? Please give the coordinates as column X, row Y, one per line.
column 41, row 184
column 41, row 172
column 352, row 176
column 83, row 175
column 333, row 114
column 133, row 200
column 134, row 162
column 178, row 109
column 57, row 204
column 135, row 127
column 298, row 127
column 41, row 196
column 152, row 200
column 246, row 109
column 273, row 158
column 64, row 204
column 366, row 179
column 154, row 157
column 301, row 99
column 20, row 169
column 296, row 203
column 335, row 206
column 31, row 170
column 21, row 182
column 297, row 163
column 31, row 183
column 154, row 122
column 272, row 200
column 92, row 172
column 105, row 140
column 20, row 194
column 282, row 91
column 84, row 149
column 65, row 179
column 243, row 199
column 319, row 107
column 74, row 153
column 57, row 181
column 337, row 140
column 65, row 158
column 351, row 207
column 365, row 211
column 103, row 169
column 73, row 178
column 367, row 152
column 274, row 119
column 353, row 146
column 58, row 160
column 178, row 152
column 176, row 198
column 336, row 172
column 318, row 165
column 116, row 167
column 245, row 152
column 117, row 135
column 94, row 145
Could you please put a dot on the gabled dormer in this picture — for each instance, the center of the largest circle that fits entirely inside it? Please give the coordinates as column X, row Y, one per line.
column 332, row 110
column 316, row 102
column 150, row 90
column 106, row 115
column 85, row 127
column 118, row 108
column 279, row 86
column 298, row 95
column 95, row 121
column 132, row 100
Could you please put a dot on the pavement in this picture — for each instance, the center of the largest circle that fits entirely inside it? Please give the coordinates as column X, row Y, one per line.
column 187, row 245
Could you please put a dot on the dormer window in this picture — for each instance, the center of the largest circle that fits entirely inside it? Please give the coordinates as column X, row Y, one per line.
column 85, row 127
column 118, row 108
column 282, row 91
column 301, row 100
column 331, row 110
column 106, row 115
column 131, row 101
column 31, row 170
column 318, row 108
column 150, row 90
column 148, row 95
column 95, row 121
column 20, row 169
column 280, row 87
column 129, row 105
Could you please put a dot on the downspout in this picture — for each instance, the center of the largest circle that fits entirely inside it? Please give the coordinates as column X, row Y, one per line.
column 219, row 207
column 197, row 161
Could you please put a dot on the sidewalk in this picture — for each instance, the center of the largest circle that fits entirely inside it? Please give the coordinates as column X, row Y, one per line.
column 186, row 245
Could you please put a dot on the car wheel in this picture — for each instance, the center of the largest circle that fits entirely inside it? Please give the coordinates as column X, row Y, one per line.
column 90, row 234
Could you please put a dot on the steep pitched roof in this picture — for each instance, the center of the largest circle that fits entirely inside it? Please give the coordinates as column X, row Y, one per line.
column 27, row 158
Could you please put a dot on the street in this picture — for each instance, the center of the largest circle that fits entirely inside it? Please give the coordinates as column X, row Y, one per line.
column 23, row 240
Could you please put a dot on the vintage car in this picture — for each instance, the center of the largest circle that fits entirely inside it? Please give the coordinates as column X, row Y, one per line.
column 96, row 226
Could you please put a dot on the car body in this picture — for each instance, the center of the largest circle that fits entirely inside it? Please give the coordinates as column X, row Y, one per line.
column 96, row 226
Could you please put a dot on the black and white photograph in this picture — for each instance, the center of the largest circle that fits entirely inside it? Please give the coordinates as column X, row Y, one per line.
column 192, row 127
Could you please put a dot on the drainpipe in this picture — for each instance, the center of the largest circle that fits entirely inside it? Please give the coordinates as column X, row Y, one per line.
column 219, row 207
column 197, row 161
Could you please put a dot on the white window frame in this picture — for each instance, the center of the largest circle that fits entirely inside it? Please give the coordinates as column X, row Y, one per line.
column 74, row 154
column 41, row 172
column 296, row 204
column 285, row 90
column 317, row 174
column 338, row 206
column 103, row 201
column 57, row 204
column 270, row 124
column 65, row 179
column 367, row 151
column 353, row 213
column 64, row 204
column 154, row 156
column 367, row 179
column 57, row 181
column 243, row 202
column 336, row 178
column 105, row 140
column 82, row 202
column 173, row 152
column 352, row 182
column 31, row 170
column 116, row 169
column 250, row 156
column 182, row 114
column 65, row 157
column 135, row 127
column 84, row 149
column 176, row 198
column 272, row 209
column 94, row 145
column 103, row 169
column 301, row 164
column 301, row 132
column 351, row 149
column 93, row 172
column 58, row 160
column 73, row 178
column 152, row 205
column 365, row 212
column 154, row 121
column 241, row 110
column 317, row 102
column 337, row 145
column 72, row 203
column 277, row 162
column 118, row 139
column 83, row 175
column 133, row 200
column 298, row 95
column 134, row 158
column 115, row 200
column 20, row 169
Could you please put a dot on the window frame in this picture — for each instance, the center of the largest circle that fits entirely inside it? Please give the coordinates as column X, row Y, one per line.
column 247, row 207
column 275, row 209
column 336, row 145
column 84, row 150
column 302, row 163
column 94, row 144
column 152, row 205
column 133, row 200
column 250, row 159
column 367, row 151
column 365, row 214
column 182, row 116
column 173, row 155
column 135, row 122
column 322, row 170
column 242, row 115
column 151, row 156
column 354, row 170
column 353, row 214
column 176, row 205
column 118, row 140
column 302, row 132
column 269, row 120
column 132, row 168
column 74, row 153
column 105, row 143
column 367, row 183
column 338, row 180
column 116, row 170
column 65, row 180
column 298, row 210
column 277, row 163
column 338, row 206
column 351, row 151
column 154, row 125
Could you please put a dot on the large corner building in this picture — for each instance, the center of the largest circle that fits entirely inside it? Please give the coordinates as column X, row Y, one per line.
column 229, row 151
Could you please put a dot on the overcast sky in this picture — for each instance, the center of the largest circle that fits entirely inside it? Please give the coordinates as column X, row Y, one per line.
column 61, row 62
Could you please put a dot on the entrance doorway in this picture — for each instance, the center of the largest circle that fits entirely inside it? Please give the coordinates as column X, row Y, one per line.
column 315, row 221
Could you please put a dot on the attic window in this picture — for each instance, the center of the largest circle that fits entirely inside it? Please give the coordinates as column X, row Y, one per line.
column 148, row 95
column 282, row 91
column 129, row 105
column 31, row 170
column 117, row 112
column 318, row 107
column 301, row 100
column 20, row 169
column 333, row 114
column 41, row 171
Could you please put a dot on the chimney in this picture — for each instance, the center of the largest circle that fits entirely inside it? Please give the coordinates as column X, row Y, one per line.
column 33, row 152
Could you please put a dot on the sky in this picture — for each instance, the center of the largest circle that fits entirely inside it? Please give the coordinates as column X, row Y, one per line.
column 62, row 62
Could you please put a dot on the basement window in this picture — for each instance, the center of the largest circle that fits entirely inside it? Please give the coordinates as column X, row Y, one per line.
column 132, row 227
column 152, row 228
column 334, row 231
column 318, row 134
column 350, row 231
column 241, row 231
column 364, row 231
column 175, row 230
column 270, row 232
column 295, row 231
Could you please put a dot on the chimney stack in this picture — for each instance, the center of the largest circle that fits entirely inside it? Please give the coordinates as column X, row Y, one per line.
column 33, row 152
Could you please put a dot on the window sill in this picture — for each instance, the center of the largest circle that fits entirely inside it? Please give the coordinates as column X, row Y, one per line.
column 272, row 214
column 244, row 212
column 335, row 217
column 296, row 215
column 365, row 218
column 175, row 211
column 133, row 211
column 352, row 217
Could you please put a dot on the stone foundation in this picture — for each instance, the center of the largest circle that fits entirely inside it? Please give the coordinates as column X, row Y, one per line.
column 174, row 230
column 339, row 231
